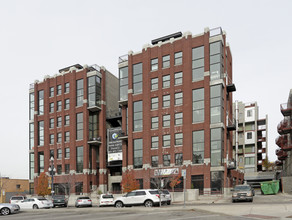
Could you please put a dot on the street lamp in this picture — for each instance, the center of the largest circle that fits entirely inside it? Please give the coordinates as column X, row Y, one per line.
column 52, row 171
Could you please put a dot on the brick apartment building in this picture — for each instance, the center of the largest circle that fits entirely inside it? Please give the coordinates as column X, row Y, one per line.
column 67, row 114
column 176, row 100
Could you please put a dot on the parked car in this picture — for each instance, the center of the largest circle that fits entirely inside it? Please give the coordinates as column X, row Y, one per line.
column 83, row 201
column 242, row 193
column 16, row 199
column 59, row 200
column 146, row 197
column 36, row 203
column 7, row 208
column 167, row 196
column 106, row 200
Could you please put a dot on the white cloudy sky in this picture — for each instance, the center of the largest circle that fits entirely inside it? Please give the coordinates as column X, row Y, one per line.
column 38, row 38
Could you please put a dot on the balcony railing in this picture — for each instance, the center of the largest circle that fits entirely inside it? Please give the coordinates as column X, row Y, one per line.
column 284, row 127
column 215, row 31
column 281, row 140
column 94, row 141
column 231, row 126
column 123, row 58
column 286, row 109
column 281, row 154
column 279, row 162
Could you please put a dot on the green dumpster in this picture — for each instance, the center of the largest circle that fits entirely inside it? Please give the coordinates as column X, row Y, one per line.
column 270, row 187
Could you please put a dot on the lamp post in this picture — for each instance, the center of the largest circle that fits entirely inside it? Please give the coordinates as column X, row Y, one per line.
column 52, row 170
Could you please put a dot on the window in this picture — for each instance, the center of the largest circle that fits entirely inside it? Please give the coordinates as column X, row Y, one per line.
column 217, row 178
column 67, row 168
column 52, row 138
column 154, row 64
column 178, row 98
column 166, row 61
column 93, row 125
column 67, row 152
column 178, row 139
column 59, row 105
column 51, row 91
column 138, row 153
column 154, row 122
column 79, row 159
column 31, row 135
column 166, row 81
column 249, row 135
column 52, row 124
column 216, row 60
column 79, row 188
column 59, row 89
column 166, row 101
column 67, row 87
column 138, row 116
column 166, row 160
column 123, row 83
column 41, row 133
column 178, row 58
column 59, row 154
column 249, row 149
column 67, row 136
column 52, row 107
column 198, row 147
column 198, row 183
column 249, row 113
column 79, row 126
column 179, row 159
column 178, row 78
column 249, row 161
column 67, row 104
column 154, row 103
column 198, row 65
column 94, row 91
column 154, row 142
column 59, row 121
column 79, row 92
column 137, row 78
column 154, row 84
column 31, row 106
column 59, row 137
column 41, row 102
column 198, row 105
column 154, row 161
column 67, row 120
column 216, row 146
column 59, row 169
column 41, row 162
column 166, row 121
column 216, row 104
column 31, row 166
column 166, row 140
column 178, row 118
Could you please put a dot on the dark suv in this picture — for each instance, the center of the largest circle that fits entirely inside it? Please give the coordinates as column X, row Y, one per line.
column 242, row 193
column 59, row 200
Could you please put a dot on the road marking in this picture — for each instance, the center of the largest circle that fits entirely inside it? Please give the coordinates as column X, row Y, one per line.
column 201, row 216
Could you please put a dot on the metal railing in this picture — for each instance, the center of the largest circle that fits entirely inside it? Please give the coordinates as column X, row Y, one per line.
column 123, row 58
column 215, row 31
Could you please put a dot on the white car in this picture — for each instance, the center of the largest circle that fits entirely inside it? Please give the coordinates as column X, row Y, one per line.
column 167, row 196
column 36, row 203
column 106, row 200
column 16, row 199
column 146, row 197
column 7, row 208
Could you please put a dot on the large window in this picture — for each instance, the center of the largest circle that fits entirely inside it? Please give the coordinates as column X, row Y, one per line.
column 138, row 153
column 216, row 104
column 198, row 183
column 31, row 106
column 31, row 135
column 166, row 61
column 154, row 103
column 138, row 116
column 198, row 147
column 216, row 146
column 41, row 133
column 154, row 64
column 178, row 159
column 154, row 161
column 249, row 161
column 31, row 166
column 178, row 98
column 166, row 160
column 94, row 91
column 178, row 58
column 124, row 83
column 217, row 179
column 198, row 105
column 166, row 101
column 154, row 84
column 154, row 122
column 41, row 102
column 154, row 142
column 216, row 60
column 41, row 162
column 79, row 159
column 198, row 66
column 178, row 78
column 79, row 126
column 166, row 121
column 137, row 78
column 166, row 140
column 79, row 92
column 93, row 126
column 166, row 81
column 178, row 118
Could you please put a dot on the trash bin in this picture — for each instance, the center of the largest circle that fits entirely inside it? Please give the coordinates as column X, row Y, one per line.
column 270, row 187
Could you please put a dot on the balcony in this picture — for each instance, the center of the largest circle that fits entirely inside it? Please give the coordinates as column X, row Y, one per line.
column 123, row 58
column 284, row 127
column 123, row 102
column 261, row 139
column 281, row 154
column 279, row 162
column 123, row 136
column 94, row 106
column 231, row 125
column 94, row 141
column 281, row 140
column 286, row 109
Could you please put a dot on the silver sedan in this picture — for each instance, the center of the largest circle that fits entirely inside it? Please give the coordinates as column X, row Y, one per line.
column 7, row 208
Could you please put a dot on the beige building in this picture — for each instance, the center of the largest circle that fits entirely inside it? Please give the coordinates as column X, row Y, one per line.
column 10, row 187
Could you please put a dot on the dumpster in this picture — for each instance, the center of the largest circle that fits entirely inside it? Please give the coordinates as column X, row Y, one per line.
column 270, row 187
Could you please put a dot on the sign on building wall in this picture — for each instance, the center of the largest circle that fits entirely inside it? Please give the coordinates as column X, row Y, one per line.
column 114, row 145
column 166, row 172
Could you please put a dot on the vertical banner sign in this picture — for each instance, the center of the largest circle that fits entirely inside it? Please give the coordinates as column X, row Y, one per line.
column 114, row 145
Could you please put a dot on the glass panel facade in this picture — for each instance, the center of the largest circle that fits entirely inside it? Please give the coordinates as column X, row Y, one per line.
column 79, row 92
column 41, row 162
column 198, row 66
column 138, row 116
column 41, row 102
column 31, row 106
column 216, row 60
column 41, row 133
column 123, row 72
column 138, row 153
column 79, row 159
column 198, row 147
column 93, row 126
column 79, row 126
column 198, row 105
column 31, row 166
column 216, row 104
column 137, row 78
column 216, row 146
column 31, row 135
column 94, row 91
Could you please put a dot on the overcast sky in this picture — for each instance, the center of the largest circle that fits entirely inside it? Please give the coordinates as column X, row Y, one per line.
column 38, row 38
